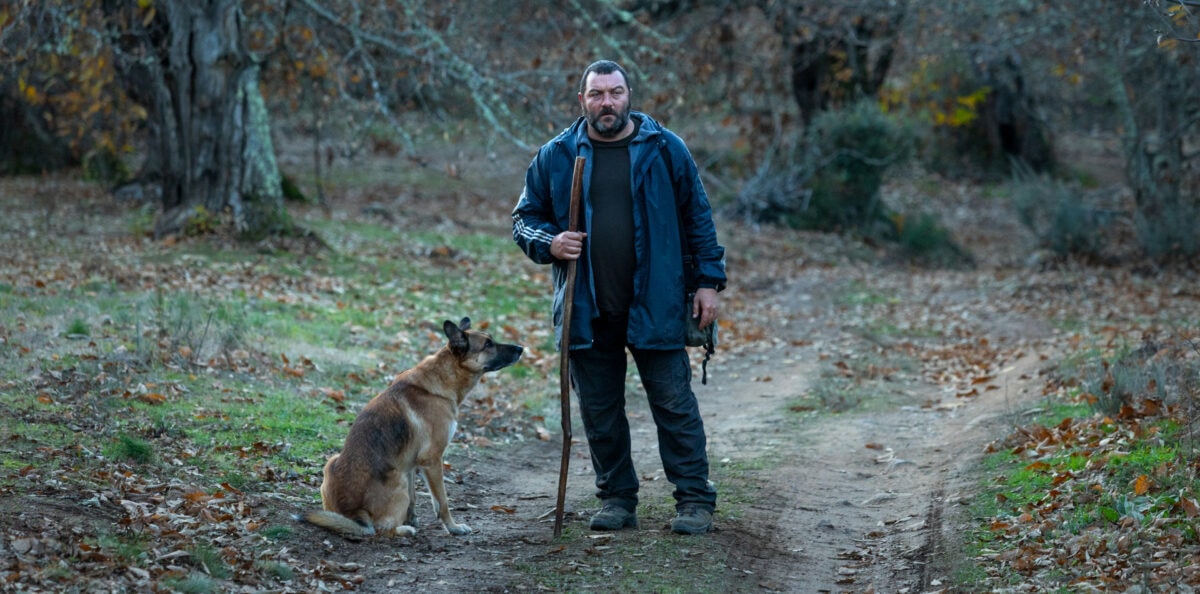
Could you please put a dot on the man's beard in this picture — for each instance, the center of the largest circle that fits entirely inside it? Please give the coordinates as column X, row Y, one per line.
column 609, row 131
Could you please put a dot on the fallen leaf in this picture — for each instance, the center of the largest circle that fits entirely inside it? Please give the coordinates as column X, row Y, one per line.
column 1141, row 485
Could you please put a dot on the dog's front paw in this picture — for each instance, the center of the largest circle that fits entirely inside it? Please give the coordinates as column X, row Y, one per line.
column 404, row 530
column 458, row 529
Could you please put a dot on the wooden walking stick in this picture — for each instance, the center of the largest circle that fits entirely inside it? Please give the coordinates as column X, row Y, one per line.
column 564, row 379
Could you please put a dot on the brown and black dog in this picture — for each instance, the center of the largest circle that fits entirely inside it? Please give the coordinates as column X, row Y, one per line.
column 369, row 487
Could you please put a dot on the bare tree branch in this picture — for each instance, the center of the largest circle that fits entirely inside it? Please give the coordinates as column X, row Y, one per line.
column 488, row 103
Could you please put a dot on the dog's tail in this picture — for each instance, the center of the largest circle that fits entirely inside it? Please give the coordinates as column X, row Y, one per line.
column 347, row 528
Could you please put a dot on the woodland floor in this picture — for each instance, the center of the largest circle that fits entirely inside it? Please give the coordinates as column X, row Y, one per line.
column 852, row 501
column 931, row 366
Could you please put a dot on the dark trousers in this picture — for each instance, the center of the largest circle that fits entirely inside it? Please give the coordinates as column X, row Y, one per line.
column 598, row 376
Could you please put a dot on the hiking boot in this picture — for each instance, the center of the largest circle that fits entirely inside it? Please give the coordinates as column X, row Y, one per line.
column 691, row 518
column 613, row 517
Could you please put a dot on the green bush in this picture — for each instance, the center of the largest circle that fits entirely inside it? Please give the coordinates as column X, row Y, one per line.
column 291, row 191
column 830, row 181
column 1161, row 368
column 1059, row 216
column 105, row 165
column 1171, row 234
column 201, row 222
column 924, row 240
column 848, row 152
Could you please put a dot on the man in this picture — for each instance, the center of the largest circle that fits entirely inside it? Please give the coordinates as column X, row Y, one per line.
column 643, row 209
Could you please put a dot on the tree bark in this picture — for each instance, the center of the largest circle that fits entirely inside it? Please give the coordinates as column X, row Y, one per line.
column 839, row 52
column 210, row 143
column 1156, row 166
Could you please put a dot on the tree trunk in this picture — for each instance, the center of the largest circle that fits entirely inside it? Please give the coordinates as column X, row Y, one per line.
column 1009, row 117
column 210, row 144
column 1155, row 118
column 839, row 53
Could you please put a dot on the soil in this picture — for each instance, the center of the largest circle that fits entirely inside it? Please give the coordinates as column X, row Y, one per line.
column 853, row 494
column 846, row 502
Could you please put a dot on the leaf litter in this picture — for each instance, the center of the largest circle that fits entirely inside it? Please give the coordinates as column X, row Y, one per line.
column 76, row 515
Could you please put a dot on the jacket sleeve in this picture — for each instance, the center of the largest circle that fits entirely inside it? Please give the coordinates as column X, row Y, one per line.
column 708, row 254
column 534, row 221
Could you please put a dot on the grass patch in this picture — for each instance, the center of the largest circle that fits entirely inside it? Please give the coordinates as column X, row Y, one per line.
column 859, row 294
column 856, row 382
column 277, row 532
column 1104, row 467
column 130, row 448
column 637, row 561
column 277, row 570
column 242, row 366
column 209, row 560
column 193, row 584
column 78, row 327
column 127, row 548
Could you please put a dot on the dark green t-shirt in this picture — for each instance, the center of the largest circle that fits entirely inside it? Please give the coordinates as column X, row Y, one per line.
column 611, row 235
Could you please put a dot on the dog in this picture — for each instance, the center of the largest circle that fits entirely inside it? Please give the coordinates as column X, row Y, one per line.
column 368, row 489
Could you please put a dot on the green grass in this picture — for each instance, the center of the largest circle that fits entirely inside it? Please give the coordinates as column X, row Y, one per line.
column 858, row 294
column 208, row 559
column 856, row 383
column 130, row 448
column 246, row 377
column 1053, row 411
column 1008, row 485
column 277, row 570
column 128, row 548
column 1074, row 487
column 278, row 532
column 737, row 483
column 78, row 327
column 194, row 583
column 155, row 378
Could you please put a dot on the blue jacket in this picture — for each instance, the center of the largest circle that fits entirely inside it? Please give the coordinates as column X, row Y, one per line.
column 663, row 190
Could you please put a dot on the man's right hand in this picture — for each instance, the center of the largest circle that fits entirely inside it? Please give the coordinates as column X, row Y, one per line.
column 567, row 245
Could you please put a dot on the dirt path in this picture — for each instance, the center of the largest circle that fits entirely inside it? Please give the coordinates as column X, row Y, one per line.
column 855, row 501
column 847, row 502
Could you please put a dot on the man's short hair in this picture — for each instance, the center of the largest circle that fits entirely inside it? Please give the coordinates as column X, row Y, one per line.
column 602, row 67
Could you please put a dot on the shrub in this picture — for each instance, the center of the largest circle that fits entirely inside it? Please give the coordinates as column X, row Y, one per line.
column 1171, row 234
column 201, row 222
column 849, row 151
column 1163, row 369
column 1059, row 216
column 924, row 240
column 832, row 184
column 104, row 165
column 291, row 191
column 777, row 190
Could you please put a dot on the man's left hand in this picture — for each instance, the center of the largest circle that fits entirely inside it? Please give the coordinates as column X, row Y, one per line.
column 706, row 305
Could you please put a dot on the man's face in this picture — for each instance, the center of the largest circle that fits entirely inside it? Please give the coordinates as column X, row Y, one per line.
column 605, row 102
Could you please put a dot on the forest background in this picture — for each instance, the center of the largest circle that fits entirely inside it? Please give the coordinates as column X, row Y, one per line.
column 250, row 125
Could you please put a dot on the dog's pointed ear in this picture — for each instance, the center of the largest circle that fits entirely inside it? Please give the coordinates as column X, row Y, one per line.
column 465, row 324
column 458, row 340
